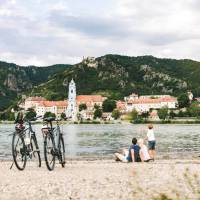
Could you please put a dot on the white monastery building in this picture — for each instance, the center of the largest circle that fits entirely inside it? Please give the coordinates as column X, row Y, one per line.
column 145, row 103
column 56, row 107
column 70, row 107
column 31, row 102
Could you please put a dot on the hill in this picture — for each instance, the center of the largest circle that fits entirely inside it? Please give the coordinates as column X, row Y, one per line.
column 116, row 76
column 16, row 80
column 113, row 76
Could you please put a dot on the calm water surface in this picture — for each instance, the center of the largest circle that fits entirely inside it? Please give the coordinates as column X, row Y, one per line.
column 89, row 141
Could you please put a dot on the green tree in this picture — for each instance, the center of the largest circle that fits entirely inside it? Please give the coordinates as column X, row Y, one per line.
column 134, row 114
column 9, row 116
column 82, row 106
column 49, row 114
column 181, row 114
column 194, row 109
column 30, row 114
column 145, row 114
column 172, row 114
column 109, row 105
column 96, row 106
column 163, row 113
column 115, row 114
column 183, row 101
column 63, row 116
column 98, row 113
column 16, row 107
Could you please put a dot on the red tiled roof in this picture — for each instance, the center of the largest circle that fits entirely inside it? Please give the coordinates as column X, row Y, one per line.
column 150, row 101
column 89, row 98
column 198, row 99
column 52, row 103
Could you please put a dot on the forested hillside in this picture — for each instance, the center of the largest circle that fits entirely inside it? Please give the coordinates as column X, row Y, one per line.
column 16, row 80
column 112, row 75
column 116, row 76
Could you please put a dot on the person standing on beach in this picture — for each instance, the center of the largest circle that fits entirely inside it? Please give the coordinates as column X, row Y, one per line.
column 151, row 141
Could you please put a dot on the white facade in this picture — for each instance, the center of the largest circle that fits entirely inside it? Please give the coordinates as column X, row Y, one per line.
column 154, row 96
column 132, row 96
column 56, row 107
column 41, row 110
column 71, row 111
column 190, row 96
column 144, row 105
column 31, row 102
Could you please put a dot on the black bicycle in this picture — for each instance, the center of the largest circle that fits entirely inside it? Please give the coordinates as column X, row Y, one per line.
column 24, row 144
column 53, row 143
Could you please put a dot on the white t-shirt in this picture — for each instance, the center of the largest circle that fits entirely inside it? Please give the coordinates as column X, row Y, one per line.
column 150, row 135
column 144, row 152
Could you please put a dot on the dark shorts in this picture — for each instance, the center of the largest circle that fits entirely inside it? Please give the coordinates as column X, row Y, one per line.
column 151, row 145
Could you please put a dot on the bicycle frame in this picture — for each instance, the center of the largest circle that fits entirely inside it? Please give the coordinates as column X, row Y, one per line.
column 25, row 131
column 53, row 143
column 53, row 131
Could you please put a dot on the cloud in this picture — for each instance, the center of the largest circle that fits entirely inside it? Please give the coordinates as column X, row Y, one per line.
column 90, row 26
column 45, row 32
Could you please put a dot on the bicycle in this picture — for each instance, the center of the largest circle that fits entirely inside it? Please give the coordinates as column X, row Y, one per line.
column 24, row 144
column 53, row 143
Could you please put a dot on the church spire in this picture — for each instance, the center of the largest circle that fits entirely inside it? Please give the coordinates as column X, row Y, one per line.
column 71, row 108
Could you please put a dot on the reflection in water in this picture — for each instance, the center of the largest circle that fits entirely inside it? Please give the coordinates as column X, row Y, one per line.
column 70, row 138
column 174, row 141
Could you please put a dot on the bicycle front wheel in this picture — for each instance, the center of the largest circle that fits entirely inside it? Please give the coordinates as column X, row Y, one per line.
column 35, row 154
column 62, row 152
column 19, row 151
column 49, row 152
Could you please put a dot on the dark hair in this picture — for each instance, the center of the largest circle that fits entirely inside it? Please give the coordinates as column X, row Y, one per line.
column 134, row 141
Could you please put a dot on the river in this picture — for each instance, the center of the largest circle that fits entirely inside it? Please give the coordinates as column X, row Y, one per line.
column 101, row 141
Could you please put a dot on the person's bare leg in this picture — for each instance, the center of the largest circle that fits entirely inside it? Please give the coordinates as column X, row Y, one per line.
column 124, row 151
column 120, row 157
column 151, row 154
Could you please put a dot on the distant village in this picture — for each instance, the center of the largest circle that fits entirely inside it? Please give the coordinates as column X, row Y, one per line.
column 83, row 107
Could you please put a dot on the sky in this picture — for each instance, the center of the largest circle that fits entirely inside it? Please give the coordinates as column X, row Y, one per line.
column 46, row 32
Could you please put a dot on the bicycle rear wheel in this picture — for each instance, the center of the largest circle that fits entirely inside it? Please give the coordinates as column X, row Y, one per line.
column 62, row 152
column 35, row 154
column 49, row 152
column 19, row 151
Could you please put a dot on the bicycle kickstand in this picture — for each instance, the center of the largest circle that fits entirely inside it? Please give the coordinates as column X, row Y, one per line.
column 11, row 165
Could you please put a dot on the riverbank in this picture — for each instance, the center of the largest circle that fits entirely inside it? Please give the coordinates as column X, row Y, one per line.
column 107, row 179
column 177, row 121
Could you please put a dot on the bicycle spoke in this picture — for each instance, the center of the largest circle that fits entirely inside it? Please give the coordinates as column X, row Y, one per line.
column 52, row 160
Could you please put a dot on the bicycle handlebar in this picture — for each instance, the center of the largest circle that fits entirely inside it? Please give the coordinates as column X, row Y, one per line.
column 33, row 119
column 51, row 119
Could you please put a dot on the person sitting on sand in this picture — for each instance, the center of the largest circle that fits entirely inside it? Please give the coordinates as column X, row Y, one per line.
column 151, row 141
column 132, row 155
column 144, row 154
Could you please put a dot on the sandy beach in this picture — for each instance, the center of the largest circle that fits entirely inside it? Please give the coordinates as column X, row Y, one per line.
column 88, row 180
